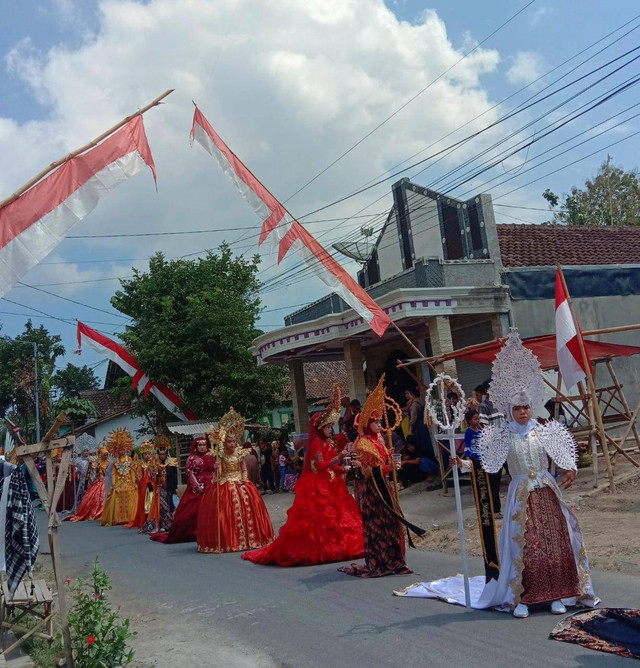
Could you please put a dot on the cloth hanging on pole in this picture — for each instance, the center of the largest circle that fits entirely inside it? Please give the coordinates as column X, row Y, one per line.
column 19, row 540
column 127, row 362
column 32, row 225
column 285, row 232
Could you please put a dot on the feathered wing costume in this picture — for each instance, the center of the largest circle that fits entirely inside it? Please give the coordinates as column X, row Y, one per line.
column 542, row 556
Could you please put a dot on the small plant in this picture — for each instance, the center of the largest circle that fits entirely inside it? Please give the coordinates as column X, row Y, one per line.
column 99, row 636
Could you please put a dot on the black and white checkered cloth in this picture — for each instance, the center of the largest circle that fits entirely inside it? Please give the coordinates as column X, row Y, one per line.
column 21, row 530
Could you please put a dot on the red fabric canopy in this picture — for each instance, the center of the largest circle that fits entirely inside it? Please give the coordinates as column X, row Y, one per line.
column 544, row 348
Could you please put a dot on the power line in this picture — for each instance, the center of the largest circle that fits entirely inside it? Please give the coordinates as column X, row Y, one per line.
column 408, row 102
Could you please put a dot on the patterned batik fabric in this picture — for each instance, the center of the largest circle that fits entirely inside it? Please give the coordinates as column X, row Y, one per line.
column 384, row 546
column 550, row 571
column 21, row 531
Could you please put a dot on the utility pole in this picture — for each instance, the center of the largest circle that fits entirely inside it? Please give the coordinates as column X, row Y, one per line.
column 609, row 190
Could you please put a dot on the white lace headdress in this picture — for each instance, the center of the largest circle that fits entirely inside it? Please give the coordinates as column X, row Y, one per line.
column 85, row 441
column 516, row 371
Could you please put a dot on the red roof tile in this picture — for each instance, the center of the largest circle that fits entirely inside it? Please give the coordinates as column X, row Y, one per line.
column 106, row 403
column 548, row 244
column 319, row 379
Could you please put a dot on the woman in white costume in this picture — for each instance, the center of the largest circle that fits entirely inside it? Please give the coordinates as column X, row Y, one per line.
column 542, row 558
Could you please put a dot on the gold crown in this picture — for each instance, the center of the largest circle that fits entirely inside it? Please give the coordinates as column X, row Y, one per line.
column 145, row 446
column 120, row 442
column 373, row 406
column 162, row 441
column 331, row 413
column 232, row 424
column 103, row 450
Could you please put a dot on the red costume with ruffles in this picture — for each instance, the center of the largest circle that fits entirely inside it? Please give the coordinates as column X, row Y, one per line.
column 92, row 503
column 200, row 470
column 323, row 524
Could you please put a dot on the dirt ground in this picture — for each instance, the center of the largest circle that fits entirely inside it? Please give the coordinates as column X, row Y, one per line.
column 610, row 527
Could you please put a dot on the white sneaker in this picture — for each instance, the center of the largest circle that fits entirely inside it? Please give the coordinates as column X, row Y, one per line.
column 557, row 608
column 521, row 611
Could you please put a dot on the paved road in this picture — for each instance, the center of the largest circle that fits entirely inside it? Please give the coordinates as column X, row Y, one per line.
column 224, row 608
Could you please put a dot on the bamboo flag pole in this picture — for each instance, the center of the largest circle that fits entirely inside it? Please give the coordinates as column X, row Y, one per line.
column 591, row 385
column 79, row 151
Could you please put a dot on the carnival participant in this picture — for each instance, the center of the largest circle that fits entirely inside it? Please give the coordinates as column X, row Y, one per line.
column 164, row 474
column 232, row 515
column 145, row 486
column 92, row 503
column 120, row 485
column 200, row 469
column 542, row 558
column 384, row 543
column 324, row 524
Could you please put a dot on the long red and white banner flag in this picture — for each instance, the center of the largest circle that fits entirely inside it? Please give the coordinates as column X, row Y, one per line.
column 35, row 223
column 16, row 431
column 284, row 230
column 570, row 360
column 127, row 362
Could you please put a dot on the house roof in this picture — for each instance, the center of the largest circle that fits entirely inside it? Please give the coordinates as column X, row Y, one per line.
column 320, row 377
column 549, row 245
column 106, row 403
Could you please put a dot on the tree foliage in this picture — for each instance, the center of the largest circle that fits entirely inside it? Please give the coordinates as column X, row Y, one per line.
column 17, row 386
column 193, row 326
column 73, row 379
column 612, row 197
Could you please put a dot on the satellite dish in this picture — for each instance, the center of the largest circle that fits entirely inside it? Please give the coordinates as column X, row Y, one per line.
column 360, row 251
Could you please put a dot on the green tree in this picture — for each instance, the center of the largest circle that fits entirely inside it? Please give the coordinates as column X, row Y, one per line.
column 77, row 410
column 17, row 377
column 612, row 197
column 193, row 326
column 73, row 379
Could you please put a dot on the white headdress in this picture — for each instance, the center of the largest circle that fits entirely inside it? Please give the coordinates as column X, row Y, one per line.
column 516, row 378
column 85, row 441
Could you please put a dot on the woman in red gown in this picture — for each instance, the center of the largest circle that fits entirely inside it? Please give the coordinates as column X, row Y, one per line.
column 145, row 485
column 92, row 503
column 200, row 470
column 232, row 515
column 323, row 524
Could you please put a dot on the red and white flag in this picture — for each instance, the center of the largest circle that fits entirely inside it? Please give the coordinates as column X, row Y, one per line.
column 15, row 431
column 127, row 362
column 286, row 232
column 35, row 223
column 570, row 360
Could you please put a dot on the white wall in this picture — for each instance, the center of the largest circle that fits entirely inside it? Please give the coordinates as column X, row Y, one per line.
column 124, row 421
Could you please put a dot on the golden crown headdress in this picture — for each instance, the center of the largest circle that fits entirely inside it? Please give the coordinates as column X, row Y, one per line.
column 162, row 441
column 379, row 405
column 103, row 450
column 331, row 413
column 231, row 424
column 120, row 442
column 145, row 446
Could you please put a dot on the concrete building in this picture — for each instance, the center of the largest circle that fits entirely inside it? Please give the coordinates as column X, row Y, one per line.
column 449, row 277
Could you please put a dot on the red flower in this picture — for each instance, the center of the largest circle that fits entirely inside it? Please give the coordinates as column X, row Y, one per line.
column 91, row 640
column 96, row 596
column 67, row 581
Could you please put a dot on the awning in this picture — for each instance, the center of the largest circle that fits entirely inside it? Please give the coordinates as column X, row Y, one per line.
column 200, row 427
column 543, row 347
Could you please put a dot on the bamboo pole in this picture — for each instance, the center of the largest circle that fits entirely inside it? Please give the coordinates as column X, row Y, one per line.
column 79, row 151
column 610, row 330
column 623, row 401
column 591, row 386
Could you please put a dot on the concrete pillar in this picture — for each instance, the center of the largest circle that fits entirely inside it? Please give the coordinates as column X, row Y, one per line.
column 299, row 396
column 442, row 343
column 355, row 375
column 499, row 325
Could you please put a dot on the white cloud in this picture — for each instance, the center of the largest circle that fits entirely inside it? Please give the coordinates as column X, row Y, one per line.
column 526, row 66
column 289, row 85
column 537, row 15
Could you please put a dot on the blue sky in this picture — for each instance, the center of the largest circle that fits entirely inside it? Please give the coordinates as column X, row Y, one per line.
column 290, row 88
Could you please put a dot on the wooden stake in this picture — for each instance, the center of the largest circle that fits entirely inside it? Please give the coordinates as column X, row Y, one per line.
column 86, row 147
column 414, row 347
column 591, row 386
column 610, row 330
